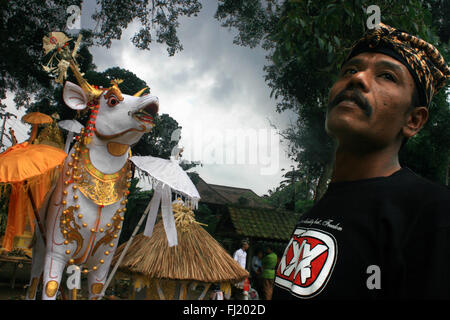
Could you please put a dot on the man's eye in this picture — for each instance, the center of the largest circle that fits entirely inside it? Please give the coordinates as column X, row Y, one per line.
column 349, row 71
column 389, row 77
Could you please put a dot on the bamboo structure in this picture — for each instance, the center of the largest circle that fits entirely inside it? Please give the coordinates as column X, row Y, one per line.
column 172, row 272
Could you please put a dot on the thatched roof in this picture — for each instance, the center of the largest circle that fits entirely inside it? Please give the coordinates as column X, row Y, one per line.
column 261, row 223
column 218, row 194
column 198, row 256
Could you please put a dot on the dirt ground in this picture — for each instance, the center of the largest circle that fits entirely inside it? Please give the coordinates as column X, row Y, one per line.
column 15, row 276
column 8, row 293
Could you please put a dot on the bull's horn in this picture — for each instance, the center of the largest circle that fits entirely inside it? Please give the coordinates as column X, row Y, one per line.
column 140, row 92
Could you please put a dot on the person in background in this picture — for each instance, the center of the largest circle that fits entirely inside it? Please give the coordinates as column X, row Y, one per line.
column 256, row 271
column 240, row 255
column 268, row 264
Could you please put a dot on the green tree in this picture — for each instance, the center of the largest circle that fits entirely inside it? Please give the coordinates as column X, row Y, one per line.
column 306, row 42
column 23, row 23
column 206, row 216
column 158, row 142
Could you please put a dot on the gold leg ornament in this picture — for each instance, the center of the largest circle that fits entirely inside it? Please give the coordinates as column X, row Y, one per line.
column 51, row 288
column 33, row 288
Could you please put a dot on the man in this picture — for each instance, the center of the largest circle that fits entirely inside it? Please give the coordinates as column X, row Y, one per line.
column 268, row 264
column 380, row 231
column 240, row 255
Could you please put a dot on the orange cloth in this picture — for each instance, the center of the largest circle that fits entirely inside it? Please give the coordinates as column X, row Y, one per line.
column 25, row 161
column 26, row 166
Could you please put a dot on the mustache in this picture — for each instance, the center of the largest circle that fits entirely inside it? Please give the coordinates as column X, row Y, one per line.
column 355, row 96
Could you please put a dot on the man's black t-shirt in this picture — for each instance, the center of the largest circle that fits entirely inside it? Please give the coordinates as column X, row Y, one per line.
column 386, row 237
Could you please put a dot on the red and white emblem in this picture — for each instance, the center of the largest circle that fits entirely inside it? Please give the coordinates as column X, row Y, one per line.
column 307, row 263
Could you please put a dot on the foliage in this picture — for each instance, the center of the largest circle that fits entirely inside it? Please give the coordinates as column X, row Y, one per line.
column 113, row 16
column 303, row 205
column 4, row 209
column 22, row 26
column 428, row 153
column 292, row 194
column 194, row 176
column 158, row 142
column 23, row 23
column 205, row 215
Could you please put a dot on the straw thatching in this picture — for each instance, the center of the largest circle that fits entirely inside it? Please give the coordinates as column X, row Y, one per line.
column 197, row 257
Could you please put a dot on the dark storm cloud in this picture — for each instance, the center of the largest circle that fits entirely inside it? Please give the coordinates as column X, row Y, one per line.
column 212, row 83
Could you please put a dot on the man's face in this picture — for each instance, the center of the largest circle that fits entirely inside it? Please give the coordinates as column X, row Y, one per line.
column 368, row 104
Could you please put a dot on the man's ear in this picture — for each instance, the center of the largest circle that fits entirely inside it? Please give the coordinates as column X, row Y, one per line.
column 415, row 120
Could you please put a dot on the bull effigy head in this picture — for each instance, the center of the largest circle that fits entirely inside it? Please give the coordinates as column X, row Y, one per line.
column 114, row 115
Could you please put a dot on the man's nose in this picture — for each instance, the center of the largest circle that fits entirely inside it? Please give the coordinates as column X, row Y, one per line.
column 359, row 80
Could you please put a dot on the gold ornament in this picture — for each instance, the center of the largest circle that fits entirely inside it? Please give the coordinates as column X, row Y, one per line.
column 70, row 228
column 117, row 149
column 97, row 288
column 33, row 288
column 51, row 288
column 109, row 236
column 102, row 189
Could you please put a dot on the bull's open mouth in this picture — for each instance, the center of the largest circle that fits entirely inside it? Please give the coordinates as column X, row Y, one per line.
column 147, row 114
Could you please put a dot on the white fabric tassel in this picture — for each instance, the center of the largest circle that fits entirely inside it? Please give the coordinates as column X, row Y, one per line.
column 162, row 196
column 154, row 206
column 167, row 215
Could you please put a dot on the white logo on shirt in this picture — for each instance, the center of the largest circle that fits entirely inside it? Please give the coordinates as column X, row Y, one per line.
column 307, row 262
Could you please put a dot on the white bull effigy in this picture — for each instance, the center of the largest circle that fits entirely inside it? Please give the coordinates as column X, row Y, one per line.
column 84, row 212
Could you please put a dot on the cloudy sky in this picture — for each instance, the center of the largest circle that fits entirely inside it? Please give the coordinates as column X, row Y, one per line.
column 216, row 91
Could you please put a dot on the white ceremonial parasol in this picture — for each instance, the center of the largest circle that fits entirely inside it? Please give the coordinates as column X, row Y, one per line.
column 168, row 177
column 170, row 173
column 73, row 126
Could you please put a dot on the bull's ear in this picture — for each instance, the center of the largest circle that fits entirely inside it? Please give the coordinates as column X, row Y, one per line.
column 74, row 96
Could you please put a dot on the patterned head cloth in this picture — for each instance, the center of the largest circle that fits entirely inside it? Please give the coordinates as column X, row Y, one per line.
column 422, row 59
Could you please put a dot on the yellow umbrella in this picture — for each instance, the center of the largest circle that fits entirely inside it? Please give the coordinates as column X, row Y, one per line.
column 35, row 119
column 27, row 167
